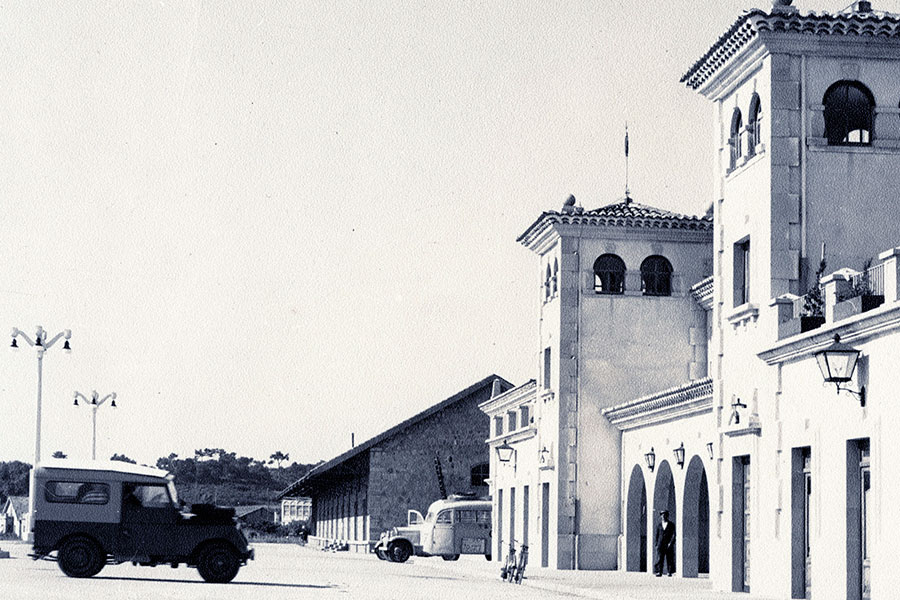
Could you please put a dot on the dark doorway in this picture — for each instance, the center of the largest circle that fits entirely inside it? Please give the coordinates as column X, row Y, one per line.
column 695, row 520
column 636, row 523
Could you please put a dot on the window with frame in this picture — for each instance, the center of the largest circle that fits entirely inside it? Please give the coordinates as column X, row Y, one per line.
column 754, row 116
column 483, row 516
column 734, row 138
column 742, row 272
column 480, row 474
column 849, row 114
column 76, row 492
column 555, row 279
column 445, row 516
column 511, row 418
column 609, row 274
column 656, row 276
column 498, row 425
column 547, row 367
column 465, row 516
column 147, row 496
column 547, row 292
column 524, row 417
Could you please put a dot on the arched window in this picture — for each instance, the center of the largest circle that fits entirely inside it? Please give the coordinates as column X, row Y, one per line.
column 849, row 113
column 609, row 274
column 734, row 138
column 753, row 123
column 555, row 276
column 480, row 474
column 656, row 276
column 547, row 284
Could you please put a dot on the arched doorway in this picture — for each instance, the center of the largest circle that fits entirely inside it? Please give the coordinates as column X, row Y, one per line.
column 663, row 497
column 695, row 521
column 636, row 523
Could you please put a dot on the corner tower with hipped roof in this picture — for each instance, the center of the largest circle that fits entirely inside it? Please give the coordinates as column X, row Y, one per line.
column 617, row 321
column 807, row 136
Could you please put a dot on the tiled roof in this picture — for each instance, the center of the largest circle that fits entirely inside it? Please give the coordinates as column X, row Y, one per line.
column 305, row 483
column 624, row 213
column 753, row 22
column 19, row 504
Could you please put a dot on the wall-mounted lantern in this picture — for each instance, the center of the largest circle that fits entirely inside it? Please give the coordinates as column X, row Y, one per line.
column 735, row 418
column 679, row 455
column 650, row 457
column 837, row 363
column 545, row 456
column 505, row 452
column 709, row 449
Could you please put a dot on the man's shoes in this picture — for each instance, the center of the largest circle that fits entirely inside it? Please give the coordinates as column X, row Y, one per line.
column 670, row 574
column 659, row 574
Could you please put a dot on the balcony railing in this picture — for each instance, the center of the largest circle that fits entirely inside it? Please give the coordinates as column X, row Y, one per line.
column 869, row 282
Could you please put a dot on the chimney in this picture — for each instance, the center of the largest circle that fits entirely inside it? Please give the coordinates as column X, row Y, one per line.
column 862, row 6
column 783, row 6
column 496, row 390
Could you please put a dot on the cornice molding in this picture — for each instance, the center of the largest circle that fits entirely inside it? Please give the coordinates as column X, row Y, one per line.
column 674, row 403
column 513, row 398
column 703, row 292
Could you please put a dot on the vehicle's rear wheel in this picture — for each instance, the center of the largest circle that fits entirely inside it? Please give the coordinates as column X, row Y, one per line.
column 217, row 563
column 450, row 556
column 399, row 552
column 80, row 556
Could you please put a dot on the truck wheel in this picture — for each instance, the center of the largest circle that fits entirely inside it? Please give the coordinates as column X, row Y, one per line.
column 380, row 554
column 217, row 563
column 450, row 556
column 399, row 552
column 80, row 557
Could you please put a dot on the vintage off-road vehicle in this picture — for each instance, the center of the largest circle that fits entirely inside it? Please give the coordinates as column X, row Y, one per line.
column 97, row 513
column 461, row 524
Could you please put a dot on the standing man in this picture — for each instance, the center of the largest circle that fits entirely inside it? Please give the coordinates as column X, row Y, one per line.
column 664, row 540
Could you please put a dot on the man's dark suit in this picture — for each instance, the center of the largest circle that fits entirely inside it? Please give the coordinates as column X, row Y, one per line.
column 664, row 540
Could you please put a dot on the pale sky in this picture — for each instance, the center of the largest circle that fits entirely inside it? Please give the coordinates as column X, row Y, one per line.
column 271, row 224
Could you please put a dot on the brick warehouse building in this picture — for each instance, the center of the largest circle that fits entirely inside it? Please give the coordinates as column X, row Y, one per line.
column 369, row 488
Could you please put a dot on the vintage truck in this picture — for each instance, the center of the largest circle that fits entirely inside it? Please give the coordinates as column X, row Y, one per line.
column 458, row 525
column 96, row 513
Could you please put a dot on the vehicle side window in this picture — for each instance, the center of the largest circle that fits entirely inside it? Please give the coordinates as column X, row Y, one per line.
column 147, row 496
column 445, row 516
column 76, row 492
column 483, row 516
column 465, row 516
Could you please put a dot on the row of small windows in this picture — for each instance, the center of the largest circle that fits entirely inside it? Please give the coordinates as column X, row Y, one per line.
column 849, row 116
column 515, row 419
column 656, row 275
column 741, row 136
column 550, row 281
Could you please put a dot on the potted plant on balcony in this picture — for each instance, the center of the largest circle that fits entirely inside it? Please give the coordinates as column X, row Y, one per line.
column 860, row 297
column 812, row 314
column 809, row 313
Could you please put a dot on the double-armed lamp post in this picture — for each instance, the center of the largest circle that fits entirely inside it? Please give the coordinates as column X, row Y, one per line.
column 95, row 402
column 41, row 343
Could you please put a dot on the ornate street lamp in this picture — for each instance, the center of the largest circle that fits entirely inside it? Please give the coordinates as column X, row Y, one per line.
column 95, row 403
column 650, row 457
column 837, row 363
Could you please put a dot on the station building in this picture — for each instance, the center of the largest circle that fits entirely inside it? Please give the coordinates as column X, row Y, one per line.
column 368, row 489
column 775, row 469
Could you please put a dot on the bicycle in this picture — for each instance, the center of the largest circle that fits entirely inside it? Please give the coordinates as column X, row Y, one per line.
column 514, row 569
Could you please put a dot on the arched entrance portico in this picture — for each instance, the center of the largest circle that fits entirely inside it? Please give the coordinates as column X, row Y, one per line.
column 663, row 498
column 636, row 523
column 695, row 521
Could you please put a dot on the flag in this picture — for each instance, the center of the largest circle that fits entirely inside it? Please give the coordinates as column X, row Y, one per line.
column 626, row 141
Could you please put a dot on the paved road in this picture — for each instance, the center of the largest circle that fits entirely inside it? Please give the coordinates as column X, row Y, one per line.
column 280, row 571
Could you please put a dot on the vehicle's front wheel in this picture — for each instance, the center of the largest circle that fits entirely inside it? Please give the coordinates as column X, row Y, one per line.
column 399, row 552
column 380, row 554
column 80, row 557
column 450, row 556
column 217, row 563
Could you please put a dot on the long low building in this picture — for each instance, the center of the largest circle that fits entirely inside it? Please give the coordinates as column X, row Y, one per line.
column 370, row 488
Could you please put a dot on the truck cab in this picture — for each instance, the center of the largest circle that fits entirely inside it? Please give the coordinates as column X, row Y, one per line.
column 98, row 512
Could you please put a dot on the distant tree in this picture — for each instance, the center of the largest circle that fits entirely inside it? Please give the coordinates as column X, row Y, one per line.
column 60, row 454
column 278, row 458
column 122, row 458
column 13, row 479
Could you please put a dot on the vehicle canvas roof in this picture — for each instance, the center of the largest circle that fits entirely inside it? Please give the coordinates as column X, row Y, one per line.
column 460, row 503
column 97, row 466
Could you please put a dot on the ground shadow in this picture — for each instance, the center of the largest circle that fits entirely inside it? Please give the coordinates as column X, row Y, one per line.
column 253, row 583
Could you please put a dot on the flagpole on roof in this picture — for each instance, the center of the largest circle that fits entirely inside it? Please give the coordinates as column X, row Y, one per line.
column 627, row 191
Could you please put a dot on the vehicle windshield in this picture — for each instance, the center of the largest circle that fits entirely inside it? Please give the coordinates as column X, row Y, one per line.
column 173, row 492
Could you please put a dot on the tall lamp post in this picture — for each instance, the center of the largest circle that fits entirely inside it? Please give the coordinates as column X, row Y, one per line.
column 95, row 402
column 41, row 343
